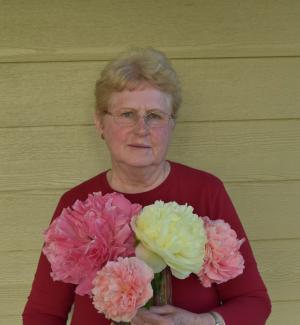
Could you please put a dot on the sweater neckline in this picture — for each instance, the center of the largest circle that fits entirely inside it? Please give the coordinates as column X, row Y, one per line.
column 154, row 191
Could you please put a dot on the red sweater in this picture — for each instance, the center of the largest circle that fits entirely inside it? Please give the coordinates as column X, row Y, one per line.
column 243, row 300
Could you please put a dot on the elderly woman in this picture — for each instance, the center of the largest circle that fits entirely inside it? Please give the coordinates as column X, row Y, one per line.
column 137, row 100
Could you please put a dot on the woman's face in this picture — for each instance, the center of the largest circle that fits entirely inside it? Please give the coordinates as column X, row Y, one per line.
column 138, row 145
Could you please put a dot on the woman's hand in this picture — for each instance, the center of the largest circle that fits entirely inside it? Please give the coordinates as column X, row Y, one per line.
column 170, row 315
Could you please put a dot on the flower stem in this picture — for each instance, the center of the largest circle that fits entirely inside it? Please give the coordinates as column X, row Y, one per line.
column 162, row 288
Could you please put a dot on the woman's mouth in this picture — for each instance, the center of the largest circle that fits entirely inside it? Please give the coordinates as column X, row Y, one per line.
column 139, row 146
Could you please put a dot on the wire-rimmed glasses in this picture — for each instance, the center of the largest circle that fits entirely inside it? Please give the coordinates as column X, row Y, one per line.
column 153, row 118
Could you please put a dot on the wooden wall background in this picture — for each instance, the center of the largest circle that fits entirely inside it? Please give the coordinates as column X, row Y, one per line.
column 240, row 69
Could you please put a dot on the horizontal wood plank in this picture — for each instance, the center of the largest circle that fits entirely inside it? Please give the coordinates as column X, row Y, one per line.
column 10, row 319
column 18, row 267
column 34, row 30
column 29, row 214
column 13, row 299
column 279, row 264
column 12, row 302
column 267, row 210
column 62, row 93
column 285, row 313
column 259, row 205
column 29, row 155
column 240, row 151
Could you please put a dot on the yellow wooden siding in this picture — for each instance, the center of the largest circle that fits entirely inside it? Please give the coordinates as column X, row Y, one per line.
column 61, row 93
column 74, row 30
column 239, row 64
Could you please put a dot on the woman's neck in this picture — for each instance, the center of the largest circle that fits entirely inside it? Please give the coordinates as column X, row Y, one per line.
column 137, row 179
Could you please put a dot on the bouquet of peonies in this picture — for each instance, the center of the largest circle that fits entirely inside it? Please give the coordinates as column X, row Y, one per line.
column 111, row 248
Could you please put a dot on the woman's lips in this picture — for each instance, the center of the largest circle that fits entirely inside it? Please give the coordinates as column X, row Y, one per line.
column 139, row 146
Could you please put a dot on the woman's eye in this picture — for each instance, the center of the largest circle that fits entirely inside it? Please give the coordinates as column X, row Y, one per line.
column 154, row 116
column 127, row 114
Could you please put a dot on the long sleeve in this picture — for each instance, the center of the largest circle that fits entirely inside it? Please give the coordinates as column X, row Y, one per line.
column 244, row 299
column 49, row 301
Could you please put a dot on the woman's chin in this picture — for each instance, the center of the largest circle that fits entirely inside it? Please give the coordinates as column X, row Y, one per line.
column 140, row 162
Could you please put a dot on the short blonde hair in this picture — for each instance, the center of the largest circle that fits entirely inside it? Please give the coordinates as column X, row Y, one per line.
column 133, row 68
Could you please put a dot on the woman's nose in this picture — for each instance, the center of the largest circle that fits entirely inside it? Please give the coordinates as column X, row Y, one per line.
column 141, row 125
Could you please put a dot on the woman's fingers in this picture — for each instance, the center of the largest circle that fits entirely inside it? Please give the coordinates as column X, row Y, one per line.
column 163, row 310
column 145, row 316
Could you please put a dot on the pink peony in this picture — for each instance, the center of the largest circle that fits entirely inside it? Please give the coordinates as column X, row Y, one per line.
column 121, row 287
column 222, row 261
column 83, row 238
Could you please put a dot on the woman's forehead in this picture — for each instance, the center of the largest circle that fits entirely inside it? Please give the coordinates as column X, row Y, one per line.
column 146, row 98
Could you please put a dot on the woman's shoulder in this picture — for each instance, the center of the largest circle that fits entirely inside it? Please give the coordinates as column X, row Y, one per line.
column 82, row 190
column 194, row 175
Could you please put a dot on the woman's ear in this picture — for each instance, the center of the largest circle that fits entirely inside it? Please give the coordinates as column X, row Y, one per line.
column 99, row 124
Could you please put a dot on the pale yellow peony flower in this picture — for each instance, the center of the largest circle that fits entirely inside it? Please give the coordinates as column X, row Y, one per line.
column 170, row 234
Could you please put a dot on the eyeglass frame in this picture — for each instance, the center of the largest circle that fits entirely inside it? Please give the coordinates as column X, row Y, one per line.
column 115, row 116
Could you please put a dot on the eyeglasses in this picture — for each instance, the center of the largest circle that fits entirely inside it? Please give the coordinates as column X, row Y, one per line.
column 153, row 119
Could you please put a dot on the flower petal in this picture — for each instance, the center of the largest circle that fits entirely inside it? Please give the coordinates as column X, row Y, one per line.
column 153, row 260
